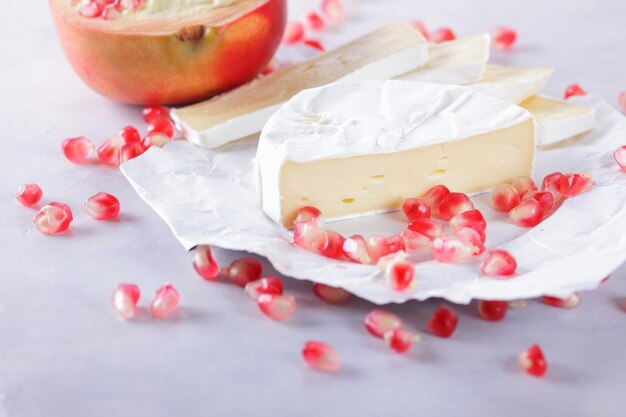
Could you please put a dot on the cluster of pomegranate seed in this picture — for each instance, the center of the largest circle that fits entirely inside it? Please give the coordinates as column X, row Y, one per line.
column 574, row 90
column 527, row 206
column 107, row 9
column 313, row 21
column 126, row 296
column 389, row 327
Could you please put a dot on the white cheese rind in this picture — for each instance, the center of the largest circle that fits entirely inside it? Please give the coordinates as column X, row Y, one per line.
column 348, row 119
column 513, row 84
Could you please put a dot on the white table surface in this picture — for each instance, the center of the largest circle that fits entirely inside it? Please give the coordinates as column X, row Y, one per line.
column 64, row 352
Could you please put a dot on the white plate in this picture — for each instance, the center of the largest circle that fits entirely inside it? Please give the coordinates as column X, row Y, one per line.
column 208, row 197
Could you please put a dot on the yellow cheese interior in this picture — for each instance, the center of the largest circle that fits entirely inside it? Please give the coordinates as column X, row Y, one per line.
column 546, row 109
column 349, row 186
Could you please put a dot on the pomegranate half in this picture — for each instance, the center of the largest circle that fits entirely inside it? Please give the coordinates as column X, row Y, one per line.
column 169, row 51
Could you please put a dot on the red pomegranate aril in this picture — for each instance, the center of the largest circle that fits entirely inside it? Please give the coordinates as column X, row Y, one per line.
column 305, row 234
column 621, row 101
column 155, row 139
column 204, row 263
column 574, row 90
column 435, row 196
column 128, row 4
column 277, row 307
column 400, row 275
column 332, row 295
column 377, row 322
column 503, row 38
column 544, row 198
column 528, row 213
column 453, row 204
column 355, row 248
column 620, row 157
column 442, row 35
column 111, row 12
column 313, row 21
column 330, row 244
column 308, row 214
column 294, row 33
column 505, row 197
column 414, row 241
column 532, row 361
column 399, row 340
column 77, row 149
column 131, row 151
column 165, row 301
column 524, row 185
column 427, row 227
column 498, row 263
column 102, row 206
column 571, row 185
column 443, row 322
column 471, row 218
column 572, row 301
column 129, row 134
column 321, row 356
column 91, row 10
column 165, row 126
column 333, row 10
column 29, row 194
column 154, row 112
column 315, row 44
column 492, row 310
column 244, row 270
column 416, row 208
column 421, row 28
column 379, row 246
column 267, row 285
column 450, row 249
column 53, row 218
column 109, row 151
column 124, row 300
column 551, row 184
column 472, row 236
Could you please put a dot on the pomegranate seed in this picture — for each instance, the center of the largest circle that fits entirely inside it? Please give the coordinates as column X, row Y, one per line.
column 331, row 295
column 29, row 194
column 277, row 307
column 244, row 270
column 442, row 35
column 355, row 249
column 571, row 185
column 313, row 21
column 400, row 275
column 416, row 208
column 308, row 214
column 102, row 206
column 621, row 101
column 333, row 10
column 378, row 322
column 53, row 218
column 435, row 196
column 131, row 151
column 544, row 198
column 471, row 218
column 204, row 263
column 155, row 139
column 421, row 27
column 399, row 339
column 492, row 310
column 270, row 68
column 129, row 134
column 524, row 185
column 505, row 197
column 330, row 244
column 111, row 12
column 453, row 249
column 475, row 237
column 528, row 213
column 165, row 301
column 551, row 184
column 518, row 304
column 414, row 241
column 77, row 149
column 443, row 322
column 574, row 90
column 498, row 263
column 124, row 300
column 91, row 10
column 315, row 44
column 154, row 112
column 379, row 246
column 109, row 151
column 321, row 356
column 128, row 4
column 305, row 234
column 294, row 33
column 453, row 204
column 572, row 301
column 503, row 38
column 427, row 227
column 620, row 157
column 532, row 361
column 267, row 285
column 165, row 126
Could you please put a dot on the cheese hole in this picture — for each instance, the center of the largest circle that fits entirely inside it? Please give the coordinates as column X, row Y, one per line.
column 304, row 200
column 378, row 177
column 443, row 160
column 348, row 200
column 437, row 173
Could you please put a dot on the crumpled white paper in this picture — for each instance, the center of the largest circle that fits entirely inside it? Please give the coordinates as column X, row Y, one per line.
column 208, row 197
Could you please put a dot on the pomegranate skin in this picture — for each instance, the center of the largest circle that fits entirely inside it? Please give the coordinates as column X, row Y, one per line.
column 169, row 62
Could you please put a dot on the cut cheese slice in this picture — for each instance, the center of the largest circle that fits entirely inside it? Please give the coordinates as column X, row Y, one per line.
column 513, row 84
column 558, row 120
column 394, row 49
column 354, row 148
column 461, row 61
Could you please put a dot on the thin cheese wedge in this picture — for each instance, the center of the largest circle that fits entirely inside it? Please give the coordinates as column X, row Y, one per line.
column 513, row 84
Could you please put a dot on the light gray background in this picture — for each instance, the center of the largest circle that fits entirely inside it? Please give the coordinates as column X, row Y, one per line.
column 63, row 352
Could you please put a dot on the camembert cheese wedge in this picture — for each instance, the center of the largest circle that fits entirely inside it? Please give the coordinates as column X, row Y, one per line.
column 385, row 53
column 513, row 84
column 355, row 148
